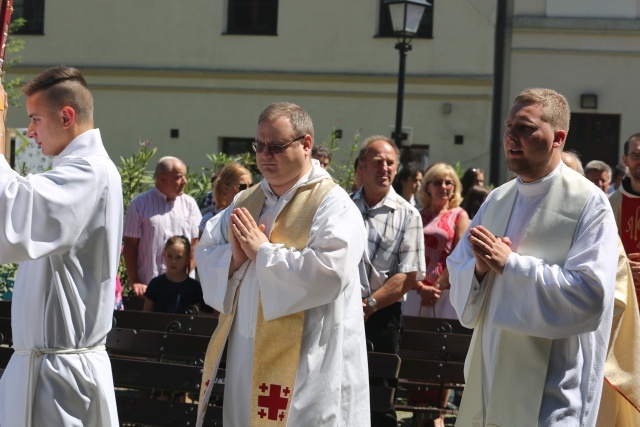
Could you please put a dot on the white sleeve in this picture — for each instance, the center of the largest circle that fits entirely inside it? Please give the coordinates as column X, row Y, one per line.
column 213, row 257
column 44, row 214
column 466, row 294
column 293, row 280
column 557, row 301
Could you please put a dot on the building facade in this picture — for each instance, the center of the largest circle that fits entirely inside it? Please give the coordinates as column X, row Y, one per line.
column 193, row 76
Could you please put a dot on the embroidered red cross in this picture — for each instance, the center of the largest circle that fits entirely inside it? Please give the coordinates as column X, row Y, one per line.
column 274, row 402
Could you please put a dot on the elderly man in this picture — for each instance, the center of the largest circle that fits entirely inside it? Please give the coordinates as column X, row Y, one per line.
column 155, row 216
column 535, row 277
column 281, row 265
column 599, row 173
column 64, row 227
column 395, row 257
column 571, row 159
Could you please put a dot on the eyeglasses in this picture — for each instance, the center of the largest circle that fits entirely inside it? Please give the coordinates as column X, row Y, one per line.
column 259, row 147
column 242, row 187
column 634, row 156
column 439, row 182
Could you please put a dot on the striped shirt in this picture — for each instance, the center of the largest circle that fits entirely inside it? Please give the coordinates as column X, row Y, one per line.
column 395, row 240
column 153, row 219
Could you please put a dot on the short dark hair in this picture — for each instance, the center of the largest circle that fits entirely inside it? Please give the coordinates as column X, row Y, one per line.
column 628, row 141
column 468, row 180
column 320, row 150
column 618, row 171
column 64, row 86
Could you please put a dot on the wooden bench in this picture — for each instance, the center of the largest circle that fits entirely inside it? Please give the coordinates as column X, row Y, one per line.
column 432, row 353
column 146, row 363
column 165, row 322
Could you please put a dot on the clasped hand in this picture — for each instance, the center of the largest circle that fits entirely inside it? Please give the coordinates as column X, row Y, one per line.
column 428, row 293
column 247, row 236
column 491, row 252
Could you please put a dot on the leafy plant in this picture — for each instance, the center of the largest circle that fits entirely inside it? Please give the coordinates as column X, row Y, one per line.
column 135, row 177
column 343, row 173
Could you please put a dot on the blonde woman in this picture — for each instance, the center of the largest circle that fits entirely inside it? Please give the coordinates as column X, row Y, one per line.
column 444, row 223
column 231, row 180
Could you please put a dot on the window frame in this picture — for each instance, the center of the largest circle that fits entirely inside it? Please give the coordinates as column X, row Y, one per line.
column 232, row 146
column 33, row 13
column 267, row 12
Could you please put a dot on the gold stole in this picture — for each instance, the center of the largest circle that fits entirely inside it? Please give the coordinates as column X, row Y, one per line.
column 549, row 236
column 277, row 342
column 620, row 403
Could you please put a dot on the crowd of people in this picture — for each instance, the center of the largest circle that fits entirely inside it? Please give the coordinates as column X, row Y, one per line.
column 306, row 277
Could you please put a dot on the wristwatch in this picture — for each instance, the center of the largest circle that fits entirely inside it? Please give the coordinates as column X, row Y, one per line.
column 371, row 302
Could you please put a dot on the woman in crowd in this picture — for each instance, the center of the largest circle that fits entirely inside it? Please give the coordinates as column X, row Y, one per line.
column 471, row 177
column 407, row 183
column 444, row 224
column 231, row 180
column 474, row 199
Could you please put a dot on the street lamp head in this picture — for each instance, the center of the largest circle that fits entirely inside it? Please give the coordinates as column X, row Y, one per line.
column 406, row 15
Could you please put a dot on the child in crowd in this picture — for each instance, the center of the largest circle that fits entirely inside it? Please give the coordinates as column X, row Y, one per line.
column 174, row 291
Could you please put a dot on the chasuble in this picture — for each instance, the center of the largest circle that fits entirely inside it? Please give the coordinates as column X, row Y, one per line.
column 563, row 307
column 320, row 280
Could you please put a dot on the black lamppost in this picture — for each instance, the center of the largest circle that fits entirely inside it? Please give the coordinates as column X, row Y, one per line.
column 405, row 19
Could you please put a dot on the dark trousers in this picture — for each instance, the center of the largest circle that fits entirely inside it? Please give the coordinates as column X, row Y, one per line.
column 383, row 330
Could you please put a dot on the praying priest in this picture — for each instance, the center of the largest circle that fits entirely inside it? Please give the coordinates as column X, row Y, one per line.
column 281, row 265
column 535, row 277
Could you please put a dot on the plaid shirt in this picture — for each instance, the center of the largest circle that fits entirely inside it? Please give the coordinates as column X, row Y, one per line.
column 396, row 242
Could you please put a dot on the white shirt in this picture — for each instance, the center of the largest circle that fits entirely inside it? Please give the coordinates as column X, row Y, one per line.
column 64, row 227
column 153, row 219
column 570, row 304
column 322, row 279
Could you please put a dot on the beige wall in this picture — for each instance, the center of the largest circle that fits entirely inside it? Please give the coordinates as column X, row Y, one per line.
column 155, row 65
column 577, row 56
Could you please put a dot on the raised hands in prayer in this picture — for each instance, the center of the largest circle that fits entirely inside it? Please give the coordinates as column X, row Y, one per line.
column 247, row 237
column 491, row 252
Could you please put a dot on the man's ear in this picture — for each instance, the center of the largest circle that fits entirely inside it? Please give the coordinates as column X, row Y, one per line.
column 307, row 143
column 559, row 137
column 68, row 116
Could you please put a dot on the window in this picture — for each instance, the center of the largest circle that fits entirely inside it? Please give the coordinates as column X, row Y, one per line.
column 253, row 17
column 595, row 136
column 425, row 31
column 233, row 147
column 33, row 12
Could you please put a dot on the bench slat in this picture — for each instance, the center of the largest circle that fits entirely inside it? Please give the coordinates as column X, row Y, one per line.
column 182, row 323
column 5, row 331
column 430, row 371
column 429, row 324
column 5, row 309
column 158, row 375
column 157, row 344
column 163, row 413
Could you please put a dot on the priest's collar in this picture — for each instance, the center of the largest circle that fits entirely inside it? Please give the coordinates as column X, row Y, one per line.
column 627, row 188
column 315, row 173
column 541, row 186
